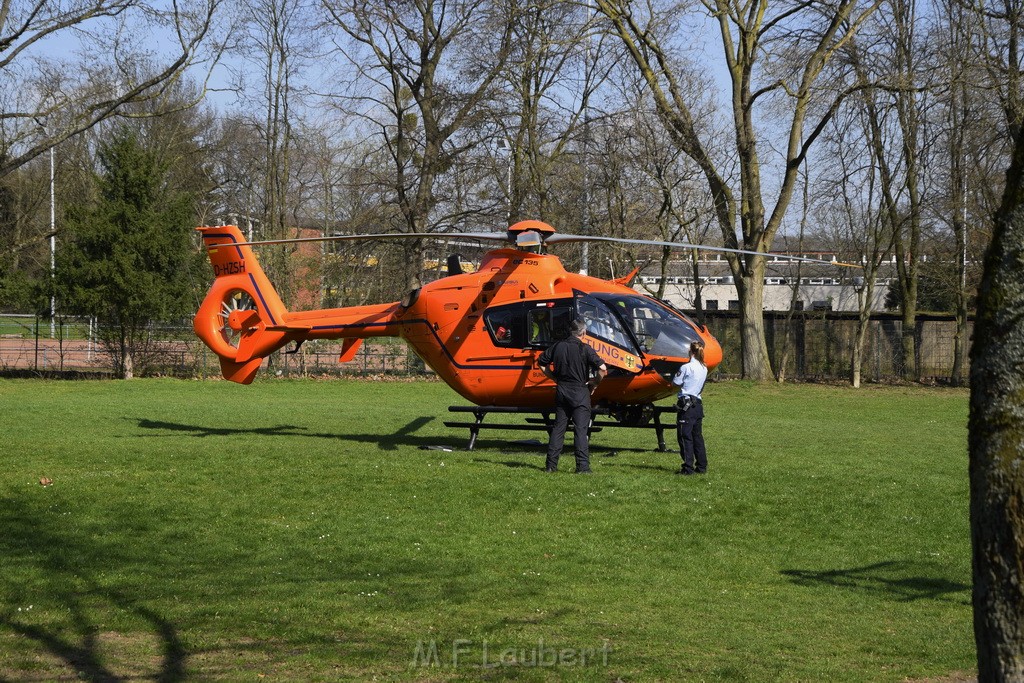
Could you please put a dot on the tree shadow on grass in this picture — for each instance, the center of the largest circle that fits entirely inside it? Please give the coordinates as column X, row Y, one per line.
column 906, row 581
column 91, row 619
column 83, row 655
column 61, row 569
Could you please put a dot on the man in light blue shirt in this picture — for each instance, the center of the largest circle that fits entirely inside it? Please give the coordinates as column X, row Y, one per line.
column 690, row 412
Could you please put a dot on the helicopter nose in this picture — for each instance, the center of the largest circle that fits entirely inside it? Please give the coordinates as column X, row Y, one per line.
column 712, row 351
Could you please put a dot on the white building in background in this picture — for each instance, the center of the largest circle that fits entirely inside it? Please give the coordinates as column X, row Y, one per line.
column 817, row 286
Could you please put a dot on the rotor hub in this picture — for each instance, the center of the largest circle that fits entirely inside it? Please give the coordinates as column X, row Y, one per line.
column 531, row 225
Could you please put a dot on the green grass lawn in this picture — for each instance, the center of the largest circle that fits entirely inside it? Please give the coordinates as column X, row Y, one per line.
column 296, row 530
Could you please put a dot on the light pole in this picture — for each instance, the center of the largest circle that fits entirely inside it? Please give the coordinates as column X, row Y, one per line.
column 53, row 251
column 53, row 234
column 587, row 214
column 506, row 147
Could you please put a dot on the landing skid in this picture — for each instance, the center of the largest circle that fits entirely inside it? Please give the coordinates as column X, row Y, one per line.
column 541, row 420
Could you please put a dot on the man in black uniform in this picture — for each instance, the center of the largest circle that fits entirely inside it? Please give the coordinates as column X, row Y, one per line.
column 568, row 363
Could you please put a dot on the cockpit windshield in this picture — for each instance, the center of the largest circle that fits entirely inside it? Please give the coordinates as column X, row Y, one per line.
column 659, row 330
column 602, row 323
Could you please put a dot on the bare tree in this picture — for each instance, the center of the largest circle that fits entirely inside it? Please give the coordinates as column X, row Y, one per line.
column 897, row 119
column 337, row 199
column 973, row 142
column 238, row 166
column 426, row 70
column 47, row 99
column 957, row 59
column 556, row 64
column 750, row 33
column 852, row 199
column 684, row 209
column 275, row 41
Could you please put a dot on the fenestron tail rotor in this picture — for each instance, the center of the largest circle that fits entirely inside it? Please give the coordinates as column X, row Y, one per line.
column 237, row 310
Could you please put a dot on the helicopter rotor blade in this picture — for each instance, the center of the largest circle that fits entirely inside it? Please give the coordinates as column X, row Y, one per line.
column 557, row 238
column 487, row 236
column 562, row 237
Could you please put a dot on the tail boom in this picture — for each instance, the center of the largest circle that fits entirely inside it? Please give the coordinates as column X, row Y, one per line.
column 243, row 320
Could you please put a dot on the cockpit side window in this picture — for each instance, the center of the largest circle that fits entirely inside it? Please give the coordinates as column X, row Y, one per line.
column 548, row 323
column 506, row 327
column 528, row 324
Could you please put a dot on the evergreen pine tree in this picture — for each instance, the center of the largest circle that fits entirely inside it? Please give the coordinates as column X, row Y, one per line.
column 130, row 255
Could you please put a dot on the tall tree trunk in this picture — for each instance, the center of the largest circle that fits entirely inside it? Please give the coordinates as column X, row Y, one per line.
column 412, row 264
column 957, row 376
column 997, row 456
column 958, row 189
column 865, row 297
column 128, row 365
column 996, row 427
column 750, row 288
column 908, row 341
column 666, row 256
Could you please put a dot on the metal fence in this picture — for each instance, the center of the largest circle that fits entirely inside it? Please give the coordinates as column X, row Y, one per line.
column 28, row 345
column 816, row 346
column 43, row 345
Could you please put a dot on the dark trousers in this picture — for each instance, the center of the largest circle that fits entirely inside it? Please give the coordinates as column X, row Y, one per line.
column 690, row 433
column 571, row 400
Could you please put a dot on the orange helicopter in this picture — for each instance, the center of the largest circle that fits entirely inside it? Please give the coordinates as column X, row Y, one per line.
column 481, row 332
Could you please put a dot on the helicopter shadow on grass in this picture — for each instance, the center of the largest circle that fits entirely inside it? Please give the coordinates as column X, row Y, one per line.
column 667, row 469
column 517, row 447
column 404, row 436
column 906, row 581
column 536, row 447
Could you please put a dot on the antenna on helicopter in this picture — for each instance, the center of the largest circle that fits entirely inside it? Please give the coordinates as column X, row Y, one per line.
column 455, row 264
